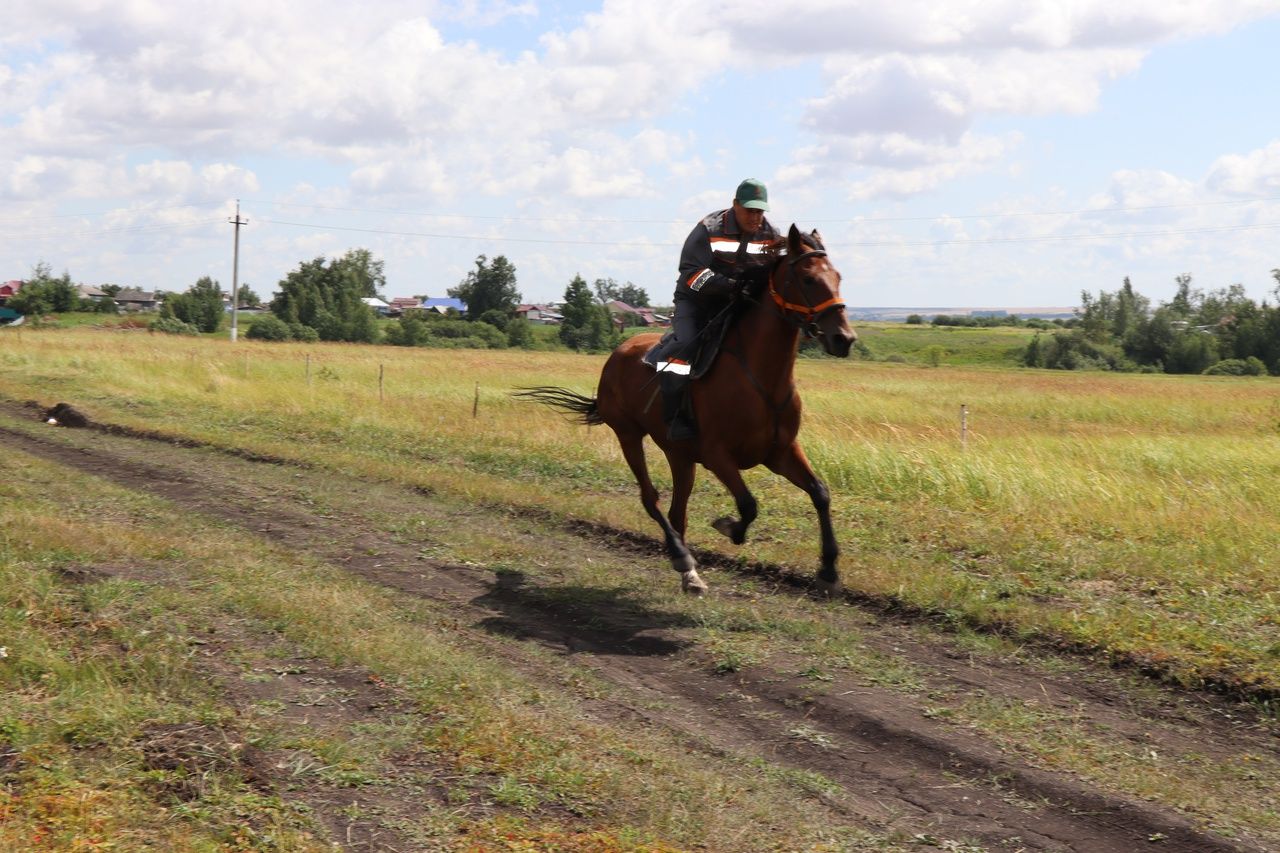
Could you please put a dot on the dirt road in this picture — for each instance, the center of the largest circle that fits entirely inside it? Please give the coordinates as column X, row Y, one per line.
column 905, row 771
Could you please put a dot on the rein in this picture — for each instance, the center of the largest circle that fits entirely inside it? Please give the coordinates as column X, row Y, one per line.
column 804, row 316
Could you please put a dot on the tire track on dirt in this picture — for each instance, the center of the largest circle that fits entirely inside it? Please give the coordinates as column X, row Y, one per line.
column 900, row 770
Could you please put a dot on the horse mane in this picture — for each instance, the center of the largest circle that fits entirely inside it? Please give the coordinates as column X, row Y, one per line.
column 775, row 253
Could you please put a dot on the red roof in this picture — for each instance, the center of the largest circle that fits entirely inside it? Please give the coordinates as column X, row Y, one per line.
column 10, row 287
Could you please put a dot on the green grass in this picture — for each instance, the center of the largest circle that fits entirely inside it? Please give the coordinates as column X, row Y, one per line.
column 1129, row 514
column 511, row 751
column 999, row 346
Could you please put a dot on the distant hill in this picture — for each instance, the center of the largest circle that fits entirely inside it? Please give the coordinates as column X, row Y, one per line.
column 896, row 314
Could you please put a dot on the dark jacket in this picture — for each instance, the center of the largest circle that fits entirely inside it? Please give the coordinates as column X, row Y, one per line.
column 715, row 254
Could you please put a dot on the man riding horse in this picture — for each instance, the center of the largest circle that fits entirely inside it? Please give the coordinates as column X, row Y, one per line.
column 722, row 252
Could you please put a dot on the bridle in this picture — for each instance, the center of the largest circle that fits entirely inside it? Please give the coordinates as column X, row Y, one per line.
column 804, row 317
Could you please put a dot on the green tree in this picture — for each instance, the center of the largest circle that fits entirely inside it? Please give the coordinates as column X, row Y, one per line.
column 1097, row 316
column 576, row 311
column 1183, row 300
column 1193, row 351
column 248, row 298
column 410, row 331
column 607, row 290
column 489, row 287
column 268, row 327
column 200, row 305
column 43, row 293
column 1130, row 309
column 325, row 296
column 367, row 272
column 587, row 324
column 520, row 333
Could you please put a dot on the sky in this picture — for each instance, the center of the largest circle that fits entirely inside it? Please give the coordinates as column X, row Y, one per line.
column 1009, row 153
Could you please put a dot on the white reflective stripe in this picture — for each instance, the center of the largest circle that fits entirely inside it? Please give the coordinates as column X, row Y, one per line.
column 695, row 283
column 678, row 367
column 729, row 245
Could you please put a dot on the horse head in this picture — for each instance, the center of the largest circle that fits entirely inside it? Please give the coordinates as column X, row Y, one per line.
column 805, row 288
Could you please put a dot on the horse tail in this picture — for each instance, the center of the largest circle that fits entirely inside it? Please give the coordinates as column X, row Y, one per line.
column 584, row 408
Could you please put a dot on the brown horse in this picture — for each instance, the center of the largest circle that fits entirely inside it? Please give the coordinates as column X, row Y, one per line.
column 747, row 408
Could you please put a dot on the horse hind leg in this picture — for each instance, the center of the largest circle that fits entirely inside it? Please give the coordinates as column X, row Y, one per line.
column 673, row 538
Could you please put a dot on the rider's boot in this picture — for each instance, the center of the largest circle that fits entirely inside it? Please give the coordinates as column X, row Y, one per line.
column 675, row 407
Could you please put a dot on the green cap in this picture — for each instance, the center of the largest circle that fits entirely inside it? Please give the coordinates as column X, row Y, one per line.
column 751, row 193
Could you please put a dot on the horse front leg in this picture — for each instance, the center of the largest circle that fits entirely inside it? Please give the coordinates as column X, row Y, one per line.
column 792, row 464
column 673, row 533
column 735, row 528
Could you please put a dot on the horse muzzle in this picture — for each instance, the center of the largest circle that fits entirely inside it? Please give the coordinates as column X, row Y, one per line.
column 833, row 330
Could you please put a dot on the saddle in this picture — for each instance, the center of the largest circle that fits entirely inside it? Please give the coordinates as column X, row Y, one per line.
column 705, row 348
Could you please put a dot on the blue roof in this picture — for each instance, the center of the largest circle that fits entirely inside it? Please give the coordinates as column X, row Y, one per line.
column 444, row 302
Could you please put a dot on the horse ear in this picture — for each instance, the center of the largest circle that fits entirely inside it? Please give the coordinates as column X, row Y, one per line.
column 816, row 236
column 795, row 244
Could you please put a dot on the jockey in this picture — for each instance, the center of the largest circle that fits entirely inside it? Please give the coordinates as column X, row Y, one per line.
column 718, row 255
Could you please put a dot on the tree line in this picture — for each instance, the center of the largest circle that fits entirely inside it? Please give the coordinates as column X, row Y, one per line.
column 323, row 300
column 1219, row 331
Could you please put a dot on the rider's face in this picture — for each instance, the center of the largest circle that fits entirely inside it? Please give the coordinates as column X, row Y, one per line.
column 749, row 219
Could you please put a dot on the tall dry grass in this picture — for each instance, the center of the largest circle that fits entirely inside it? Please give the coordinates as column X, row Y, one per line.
column 1131, row 513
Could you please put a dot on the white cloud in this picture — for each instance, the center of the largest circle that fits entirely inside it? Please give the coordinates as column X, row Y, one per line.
column 1248, row 175
column 144, row 103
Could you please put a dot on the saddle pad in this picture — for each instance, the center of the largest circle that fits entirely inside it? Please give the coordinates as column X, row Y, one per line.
column 706, row 348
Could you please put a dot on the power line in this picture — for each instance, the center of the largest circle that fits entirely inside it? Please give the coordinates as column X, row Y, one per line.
column 482, row 237
column 492, row 218
column 1061, row 237
column 86, row 215
column 852, row 220
column 102, row 232
column 856, row 243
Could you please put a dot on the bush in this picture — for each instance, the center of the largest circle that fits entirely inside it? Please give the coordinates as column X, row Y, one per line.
column 305, row 334
column 268, row 327
column 1251, row 366
column 1074, row 351
column 520, row 333
column 496, row 318
column 172, row 326
column 410, row 331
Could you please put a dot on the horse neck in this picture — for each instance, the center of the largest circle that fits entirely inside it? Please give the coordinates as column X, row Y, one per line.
column 769, row 345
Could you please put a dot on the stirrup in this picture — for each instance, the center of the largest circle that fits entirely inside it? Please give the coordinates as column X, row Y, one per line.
column 681, row 430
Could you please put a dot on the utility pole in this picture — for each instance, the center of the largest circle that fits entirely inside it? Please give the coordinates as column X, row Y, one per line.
column 235, row 271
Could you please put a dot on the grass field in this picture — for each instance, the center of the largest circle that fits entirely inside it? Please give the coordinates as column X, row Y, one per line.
column 1127, row 518
column 1131, row 515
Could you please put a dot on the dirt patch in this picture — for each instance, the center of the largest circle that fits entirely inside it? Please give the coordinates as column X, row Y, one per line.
column 904, row 771
column 190, row 755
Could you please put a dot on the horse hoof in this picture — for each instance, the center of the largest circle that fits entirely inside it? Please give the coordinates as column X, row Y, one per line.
column 829, row 589
column 692, row 583
column 724, row 526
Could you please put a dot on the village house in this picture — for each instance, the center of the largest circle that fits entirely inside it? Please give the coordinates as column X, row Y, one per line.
column 400, row 304
column 627, row 315
column 138, row 300
column 8, row 289
column 546, row 315
column 443, row 305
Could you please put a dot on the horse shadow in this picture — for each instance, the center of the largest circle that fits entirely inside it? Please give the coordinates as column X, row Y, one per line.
column 580, row 619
